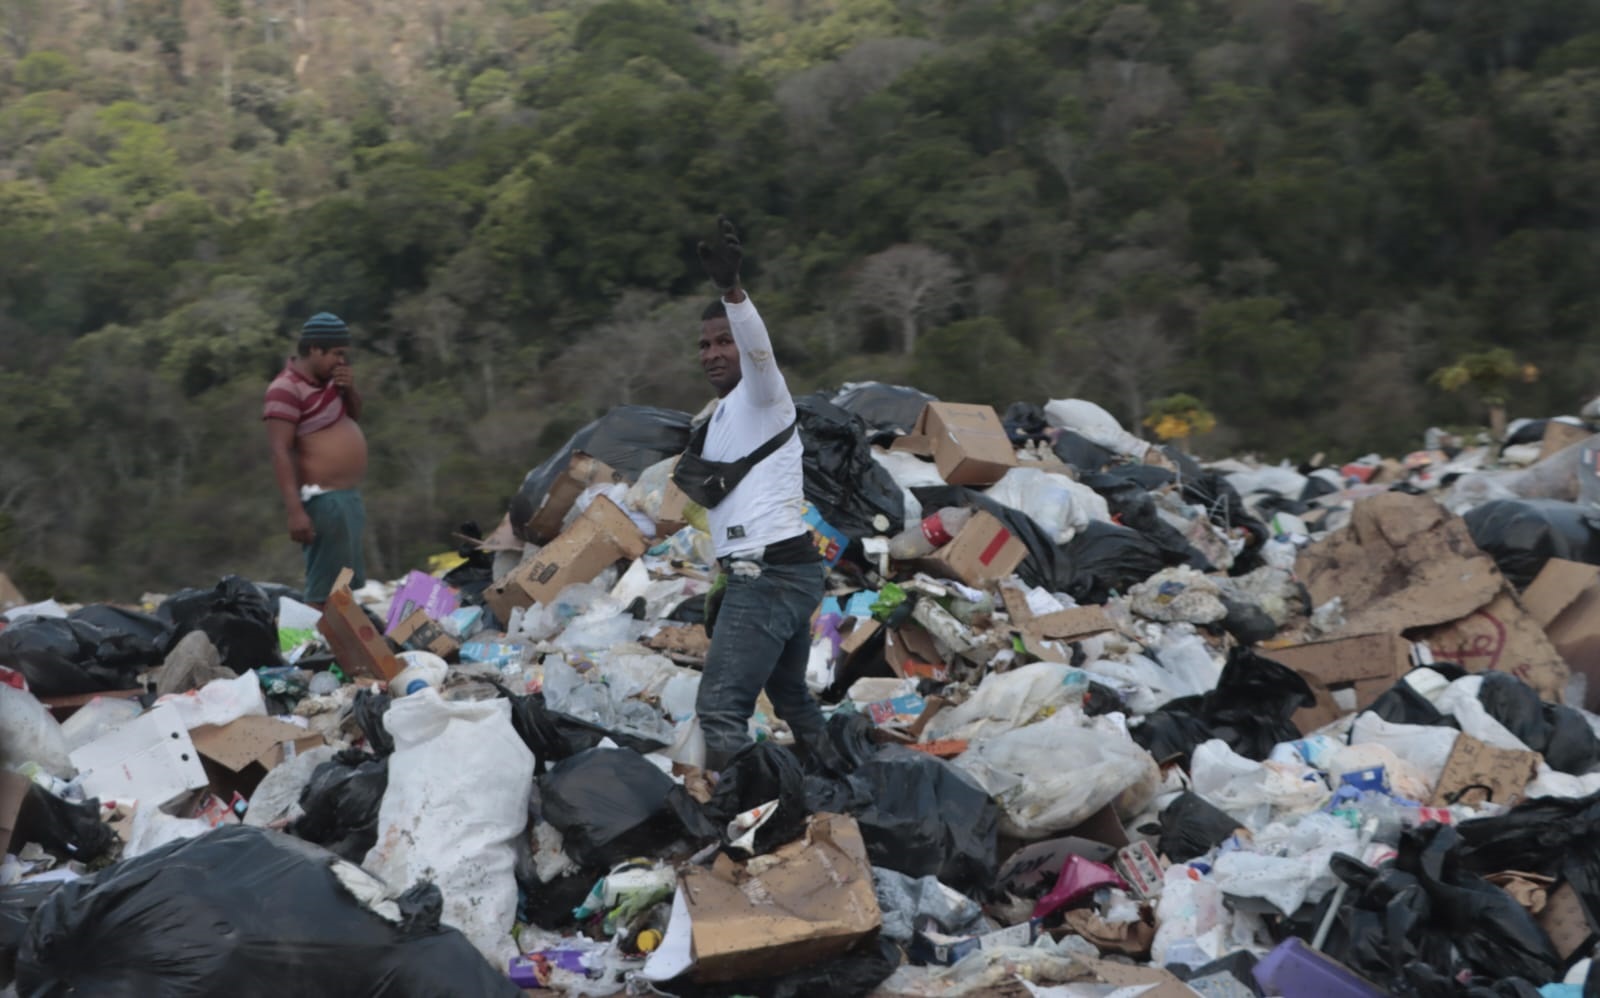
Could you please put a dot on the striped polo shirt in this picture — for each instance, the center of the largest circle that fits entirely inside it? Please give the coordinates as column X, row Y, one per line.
column 294, row 399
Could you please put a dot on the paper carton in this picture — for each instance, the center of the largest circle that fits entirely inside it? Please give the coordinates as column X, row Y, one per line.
column 984, row 551
column 356, row 643
column 811, row 900
column 1565, row 601
column 237, row 756
column 150, row 759
column 420, row 632
column 581, row 472
column 601, row 536
column 1476, row 772
column 420, row 591
column 969, row 443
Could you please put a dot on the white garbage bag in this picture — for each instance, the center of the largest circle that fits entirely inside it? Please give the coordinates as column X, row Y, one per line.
column 29, row 733
column 221, row 701
column 909, row 472
column 1096, row 425
column 1052, row 776
column 1055, row 502
column 459, row 784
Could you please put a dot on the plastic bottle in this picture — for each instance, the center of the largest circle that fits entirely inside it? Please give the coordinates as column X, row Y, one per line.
column 932, row 533
column 421, row 669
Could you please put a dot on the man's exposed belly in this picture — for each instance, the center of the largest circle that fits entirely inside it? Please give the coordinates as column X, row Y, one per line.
column 334, row 458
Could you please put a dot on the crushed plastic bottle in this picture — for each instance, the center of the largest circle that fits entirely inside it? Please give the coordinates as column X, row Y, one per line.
column 932, row 533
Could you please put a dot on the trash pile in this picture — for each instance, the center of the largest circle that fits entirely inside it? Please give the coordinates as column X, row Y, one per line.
column 1109, row 722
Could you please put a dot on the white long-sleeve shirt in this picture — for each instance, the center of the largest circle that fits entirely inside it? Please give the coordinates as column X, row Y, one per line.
column 768, row 506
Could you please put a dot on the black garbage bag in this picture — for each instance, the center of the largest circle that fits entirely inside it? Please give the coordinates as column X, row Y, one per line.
column 1528, row 431
column 17, row 906
column 1135, row 507
column 475, row 574
column 1558, row 733
column 919, row 816
column 849, row 489
column 139, row 629
column 612, row 804
column 64, row 829
column 1221, row 501
column 856, row 974
column 1081, row 453
column 1192, row 826
column 553, row 736
column 628, row 439
column 1551, row 835
column 1247, row 622
column 341, row 803
column 245, row 912
column 61, row 657
column 1024, row 422
column 1251, row 708
column 1521, row 535
column 887, row 410
column 369, row 708
column 236, row 615
column 757, row 775
column 1107, row 559
column 1402, row 704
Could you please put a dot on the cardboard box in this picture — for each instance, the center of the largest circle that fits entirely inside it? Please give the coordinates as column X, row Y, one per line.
column 356, row 643
column 1564, row 921
column 673, row 515
column 1476, row 772
column 912, row 654
column 601, row 536
column 237, row 756
column 969, row 443
column 150, row 759
column 1158, row 983
column 420, row 591
column 421, row 632
column 1143, row 870
column 811, row 900
column 581, row 472
column 1504, row 637
column 1565, row 601
column 984, row 551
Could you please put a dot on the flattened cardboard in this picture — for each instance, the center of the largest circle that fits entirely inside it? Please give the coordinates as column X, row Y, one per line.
column 1476, row 772
column 357, row 646
column 1320, row 714
column 582, row 471
column 970, row 446
column 984, row 551
column 237, row 756
column 150, row 759
column 911, row 653
column 421, row 632
column 1046, row 637
column 1343, row 661
column 13, row 788
column 812, row 900
column 601, row 536
column 1564, row 921
column 1565, row 600
column 1502, row 637
column 1403, row 562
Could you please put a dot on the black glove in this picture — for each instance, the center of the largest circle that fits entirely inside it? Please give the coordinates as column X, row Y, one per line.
column 722, row 259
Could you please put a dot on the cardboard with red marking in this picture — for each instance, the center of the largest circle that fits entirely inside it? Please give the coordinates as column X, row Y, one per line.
column 1502, row 637
column 357, row 646
column 969, row 443
column 984, row 551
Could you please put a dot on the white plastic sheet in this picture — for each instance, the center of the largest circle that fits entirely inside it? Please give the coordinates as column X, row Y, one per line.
column 1008, row 700
column 459, row 784
column 28, row 733
column 1055, row 502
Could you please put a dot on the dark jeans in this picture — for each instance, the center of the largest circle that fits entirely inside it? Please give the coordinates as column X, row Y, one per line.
column 762, row 640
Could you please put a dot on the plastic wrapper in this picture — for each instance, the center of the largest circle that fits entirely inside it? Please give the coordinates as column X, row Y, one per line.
column 613, row 804
column 842, row 481
column 457, row 799
column 339, row 806
column 29, row 733
column 1079, row 878
column 240, row 620
column 628, row 439
column 246, row 912
column 1254, row 792
column 1037, row 795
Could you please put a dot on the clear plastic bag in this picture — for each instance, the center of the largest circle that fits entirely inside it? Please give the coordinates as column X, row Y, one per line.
column 1005, row 701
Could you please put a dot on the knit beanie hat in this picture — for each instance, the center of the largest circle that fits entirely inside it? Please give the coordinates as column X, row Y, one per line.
column 325, row 330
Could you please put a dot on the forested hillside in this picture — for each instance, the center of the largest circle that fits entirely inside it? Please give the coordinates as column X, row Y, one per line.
column 1293, row 209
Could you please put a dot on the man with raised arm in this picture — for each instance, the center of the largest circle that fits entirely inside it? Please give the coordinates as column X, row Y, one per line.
column 319, row 454
column 744, row 466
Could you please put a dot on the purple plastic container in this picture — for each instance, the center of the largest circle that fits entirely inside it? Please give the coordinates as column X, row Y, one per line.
column 1295, row 970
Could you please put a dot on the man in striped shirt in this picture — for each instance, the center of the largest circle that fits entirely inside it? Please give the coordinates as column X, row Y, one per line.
column 319, row 454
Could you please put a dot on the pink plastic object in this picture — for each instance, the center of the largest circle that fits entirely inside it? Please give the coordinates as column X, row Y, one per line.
column 1079, row 878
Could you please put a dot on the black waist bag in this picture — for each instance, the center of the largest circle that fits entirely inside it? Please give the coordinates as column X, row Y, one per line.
column 709, row 482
